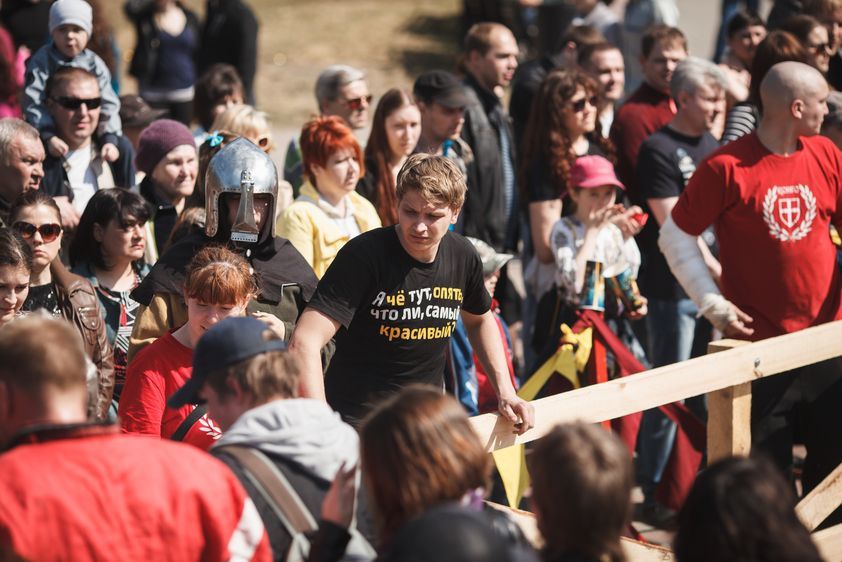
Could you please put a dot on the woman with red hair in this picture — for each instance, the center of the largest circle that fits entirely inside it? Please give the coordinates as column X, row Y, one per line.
column 328, row 212
column 219, row 284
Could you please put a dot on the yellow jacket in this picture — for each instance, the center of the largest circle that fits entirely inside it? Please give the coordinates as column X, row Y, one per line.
column 313, row 232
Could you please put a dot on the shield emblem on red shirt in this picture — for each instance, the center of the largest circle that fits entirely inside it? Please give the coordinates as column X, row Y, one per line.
column 789, row 210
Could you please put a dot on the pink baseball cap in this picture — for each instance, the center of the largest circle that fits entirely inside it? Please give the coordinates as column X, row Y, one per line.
column 593, row 171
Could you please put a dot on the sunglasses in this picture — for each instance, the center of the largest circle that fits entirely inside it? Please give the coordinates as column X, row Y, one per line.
column 49, row 232
column 76, row 103
column 355, row 104
column 823, row 48
column 580, row 104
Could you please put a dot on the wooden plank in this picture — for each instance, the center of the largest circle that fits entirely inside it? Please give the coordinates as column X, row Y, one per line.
column 653, row 388
column 729, row 414
column 525, row 520
column 822, row 500
column 829, row 542
column 635, row 551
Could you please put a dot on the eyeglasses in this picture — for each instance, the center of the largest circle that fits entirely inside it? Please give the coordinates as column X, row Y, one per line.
column 823, row 48
column 355, row 104
column 75, row 103
column 579, row 105
column 49, row 232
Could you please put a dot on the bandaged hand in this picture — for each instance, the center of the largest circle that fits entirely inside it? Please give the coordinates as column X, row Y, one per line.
column 725, row 316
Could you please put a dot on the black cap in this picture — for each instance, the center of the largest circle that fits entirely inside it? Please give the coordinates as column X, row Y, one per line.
column 441, row 87
column 227, row 343
column 136, row 113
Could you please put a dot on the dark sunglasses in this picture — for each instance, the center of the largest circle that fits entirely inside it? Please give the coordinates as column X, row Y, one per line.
column 76, row 103
column 821, row 48
column 49, row 232
column 356, row 104
column 580, row 104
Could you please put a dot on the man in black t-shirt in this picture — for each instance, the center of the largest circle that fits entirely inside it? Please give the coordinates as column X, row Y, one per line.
column 666, row 161
column 392, row 297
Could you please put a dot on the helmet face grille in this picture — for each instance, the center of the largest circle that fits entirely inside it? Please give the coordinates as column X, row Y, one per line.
column 241, row 168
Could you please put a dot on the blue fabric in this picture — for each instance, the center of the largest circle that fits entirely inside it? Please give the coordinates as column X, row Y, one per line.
column 464, row 371
column 175, row 70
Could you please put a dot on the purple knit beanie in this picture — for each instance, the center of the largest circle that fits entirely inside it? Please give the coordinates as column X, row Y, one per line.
column 157, row 140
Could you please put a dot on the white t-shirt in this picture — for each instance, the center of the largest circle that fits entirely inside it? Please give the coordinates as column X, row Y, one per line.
column 81, row 176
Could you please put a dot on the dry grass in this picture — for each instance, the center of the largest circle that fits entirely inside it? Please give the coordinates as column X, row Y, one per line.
column 392, row 40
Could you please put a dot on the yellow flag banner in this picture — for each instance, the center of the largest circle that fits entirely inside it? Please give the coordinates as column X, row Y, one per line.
column 570, row 359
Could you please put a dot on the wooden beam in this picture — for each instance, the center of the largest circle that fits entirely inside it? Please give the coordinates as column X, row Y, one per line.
column 729, row 414
column 821, row 501
column 635, row 551
column 829, row 542
column 525, row 520
column 667, row 384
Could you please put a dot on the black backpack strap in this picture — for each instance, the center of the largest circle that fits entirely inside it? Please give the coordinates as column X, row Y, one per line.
column 181, row 432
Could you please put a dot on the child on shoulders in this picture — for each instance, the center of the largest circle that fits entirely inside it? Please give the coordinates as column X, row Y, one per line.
column 71, row 22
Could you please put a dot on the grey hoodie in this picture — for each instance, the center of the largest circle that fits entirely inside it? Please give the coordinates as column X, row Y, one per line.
column 303, row 430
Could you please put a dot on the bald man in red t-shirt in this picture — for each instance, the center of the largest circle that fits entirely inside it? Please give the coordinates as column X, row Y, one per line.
column 771, row 197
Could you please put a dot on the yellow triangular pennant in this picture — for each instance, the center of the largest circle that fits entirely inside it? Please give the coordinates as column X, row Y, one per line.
column 571, row 358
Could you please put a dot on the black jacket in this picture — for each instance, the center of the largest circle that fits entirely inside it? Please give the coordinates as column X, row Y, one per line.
column 142, row 14
column 55, row 182
column 230, row 36
column 484, row 212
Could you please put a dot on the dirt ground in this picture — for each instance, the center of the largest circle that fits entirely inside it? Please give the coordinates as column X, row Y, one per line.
column 392, row 40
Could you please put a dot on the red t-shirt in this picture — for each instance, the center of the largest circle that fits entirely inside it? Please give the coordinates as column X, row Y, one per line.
column 152, row 377
column 646, row 111
column 771, row 215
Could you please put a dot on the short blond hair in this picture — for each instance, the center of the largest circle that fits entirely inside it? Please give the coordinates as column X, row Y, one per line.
column 436, row 178
column 245, row 121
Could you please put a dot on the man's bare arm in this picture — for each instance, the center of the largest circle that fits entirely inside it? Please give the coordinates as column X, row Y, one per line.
column 312, row 331
column 485, row 339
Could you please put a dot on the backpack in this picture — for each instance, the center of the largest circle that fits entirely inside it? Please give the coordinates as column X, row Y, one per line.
column 286, row 504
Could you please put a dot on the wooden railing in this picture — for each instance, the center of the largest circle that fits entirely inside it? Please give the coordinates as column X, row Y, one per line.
column 725, row 375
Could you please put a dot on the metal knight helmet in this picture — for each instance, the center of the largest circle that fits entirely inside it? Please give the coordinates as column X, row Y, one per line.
column 240, row 168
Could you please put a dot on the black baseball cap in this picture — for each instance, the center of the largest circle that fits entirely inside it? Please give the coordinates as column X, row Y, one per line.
column 227, row 343
column 441, row 87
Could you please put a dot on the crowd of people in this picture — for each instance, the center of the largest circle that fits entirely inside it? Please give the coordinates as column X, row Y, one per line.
column 317, row 339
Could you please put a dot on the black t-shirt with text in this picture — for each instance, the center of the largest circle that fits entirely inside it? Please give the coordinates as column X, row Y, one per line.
column 397, row 315
column 666, row 162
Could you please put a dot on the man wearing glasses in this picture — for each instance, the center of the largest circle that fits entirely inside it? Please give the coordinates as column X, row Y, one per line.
column 74, row 100
column 342, row 91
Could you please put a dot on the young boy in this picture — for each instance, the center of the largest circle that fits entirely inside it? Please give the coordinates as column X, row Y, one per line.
column 71, row 22
column 394, row 295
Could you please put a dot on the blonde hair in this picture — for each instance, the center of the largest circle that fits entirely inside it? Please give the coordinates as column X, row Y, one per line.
column 436, row 179
column 244, row 120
